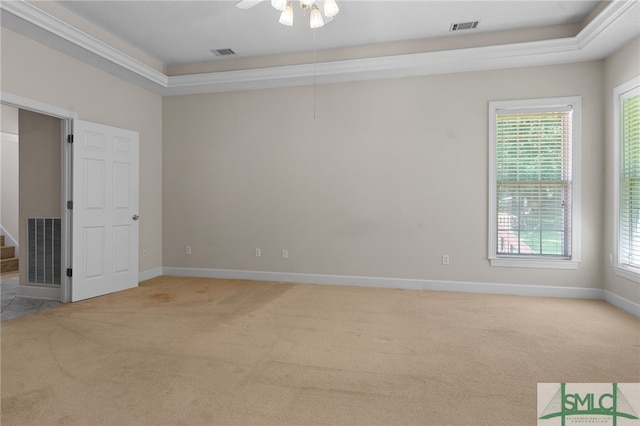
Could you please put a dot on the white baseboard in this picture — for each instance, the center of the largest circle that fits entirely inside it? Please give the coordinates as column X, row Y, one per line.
column 38, row 292
column 9, row 240
column 149, row 273
column 399, row 283
column 621, row 303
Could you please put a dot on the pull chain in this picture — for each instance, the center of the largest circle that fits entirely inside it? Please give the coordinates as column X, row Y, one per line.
column 314, row 73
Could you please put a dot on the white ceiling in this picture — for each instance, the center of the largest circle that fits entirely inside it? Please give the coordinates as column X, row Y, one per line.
column 182, row 32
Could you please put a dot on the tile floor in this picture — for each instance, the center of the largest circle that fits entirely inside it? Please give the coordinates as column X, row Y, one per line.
column 16, row 306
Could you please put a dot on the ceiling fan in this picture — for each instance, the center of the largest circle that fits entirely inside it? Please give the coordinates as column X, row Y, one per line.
column 316, row 19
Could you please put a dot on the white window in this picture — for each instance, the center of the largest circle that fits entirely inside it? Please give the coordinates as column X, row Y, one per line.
column 627, row 179
column 534, row 172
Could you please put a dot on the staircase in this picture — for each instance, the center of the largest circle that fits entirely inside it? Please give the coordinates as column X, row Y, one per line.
column 8, row 258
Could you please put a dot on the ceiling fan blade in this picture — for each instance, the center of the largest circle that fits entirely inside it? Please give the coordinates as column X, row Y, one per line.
column 248, row 4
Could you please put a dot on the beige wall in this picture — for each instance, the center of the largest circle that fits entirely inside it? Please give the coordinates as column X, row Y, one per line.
column 32, row 70
column 9, row 173
column 390, row 175
column 619, row 68
column 382, row 182
column 40, row 174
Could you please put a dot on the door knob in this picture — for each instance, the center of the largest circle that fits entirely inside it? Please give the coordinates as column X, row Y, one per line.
column 136, row 217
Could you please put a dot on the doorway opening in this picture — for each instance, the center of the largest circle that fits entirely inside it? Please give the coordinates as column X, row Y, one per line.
column 30, row 211
column 32, row 201
column 35, row 183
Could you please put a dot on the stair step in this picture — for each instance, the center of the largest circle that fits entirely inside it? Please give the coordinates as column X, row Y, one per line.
column 9, row 265
column 1, row 240
column 7, row 252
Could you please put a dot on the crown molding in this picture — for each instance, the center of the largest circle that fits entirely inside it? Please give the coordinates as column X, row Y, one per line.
column 605, row 20
column 41, row 19
column 615, row 25
column 409, row 65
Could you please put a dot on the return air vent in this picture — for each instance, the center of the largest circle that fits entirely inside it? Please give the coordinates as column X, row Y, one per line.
column 44, row 250
column 458, row 26
column 223, row 52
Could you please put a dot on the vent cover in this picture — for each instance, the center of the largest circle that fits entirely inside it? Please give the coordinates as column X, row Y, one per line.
column 458, row 26
column 44, row 249
column 223, row 52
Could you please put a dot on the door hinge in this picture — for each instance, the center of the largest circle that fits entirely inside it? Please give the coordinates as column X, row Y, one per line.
column 70, row 138
column 69, row 205
column 69, row 272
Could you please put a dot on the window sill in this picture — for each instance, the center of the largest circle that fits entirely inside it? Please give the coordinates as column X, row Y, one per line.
column 627, row 273
column 534, row 263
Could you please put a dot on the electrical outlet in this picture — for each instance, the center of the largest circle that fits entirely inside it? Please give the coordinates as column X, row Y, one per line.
column 285, row 254
column 188, row 250
column 258, row 252
column 445, row 259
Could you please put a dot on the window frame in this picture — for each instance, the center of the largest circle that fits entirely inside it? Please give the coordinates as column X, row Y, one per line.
column 620, row 93
column 537, row 261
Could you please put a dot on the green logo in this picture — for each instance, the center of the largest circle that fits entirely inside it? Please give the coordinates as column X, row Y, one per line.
column 588, row 401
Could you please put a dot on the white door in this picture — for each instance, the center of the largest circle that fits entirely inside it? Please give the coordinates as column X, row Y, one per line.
column 104, row 252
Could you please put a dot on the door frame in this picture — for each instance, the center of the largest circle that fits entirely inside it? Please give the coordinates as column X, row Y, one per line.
column 66, row 116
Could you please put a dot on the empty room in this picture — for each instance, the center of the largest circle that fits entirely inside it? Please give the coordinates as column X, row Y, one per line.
column 320, row 212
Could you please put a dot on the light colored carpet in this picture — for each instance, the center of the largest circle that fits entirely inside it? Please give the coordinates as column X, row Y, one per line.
column 205, row 351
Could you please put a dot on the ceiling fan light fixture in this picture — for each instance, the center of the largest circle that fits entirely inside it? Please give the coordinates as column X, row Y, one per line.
column 315, row 20
column 286, row 18
column 280, row 5
column 331, row 8
column 306, row 3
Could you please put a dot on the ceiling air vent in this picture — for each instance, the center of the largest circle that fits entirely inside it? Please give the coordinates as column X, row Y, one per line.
column 464, row 26
column 223, row 52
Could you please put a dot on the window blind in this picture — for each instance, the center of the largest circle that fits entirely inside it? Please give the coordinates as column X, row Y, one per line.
column 629, row 209
column 533, row 188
